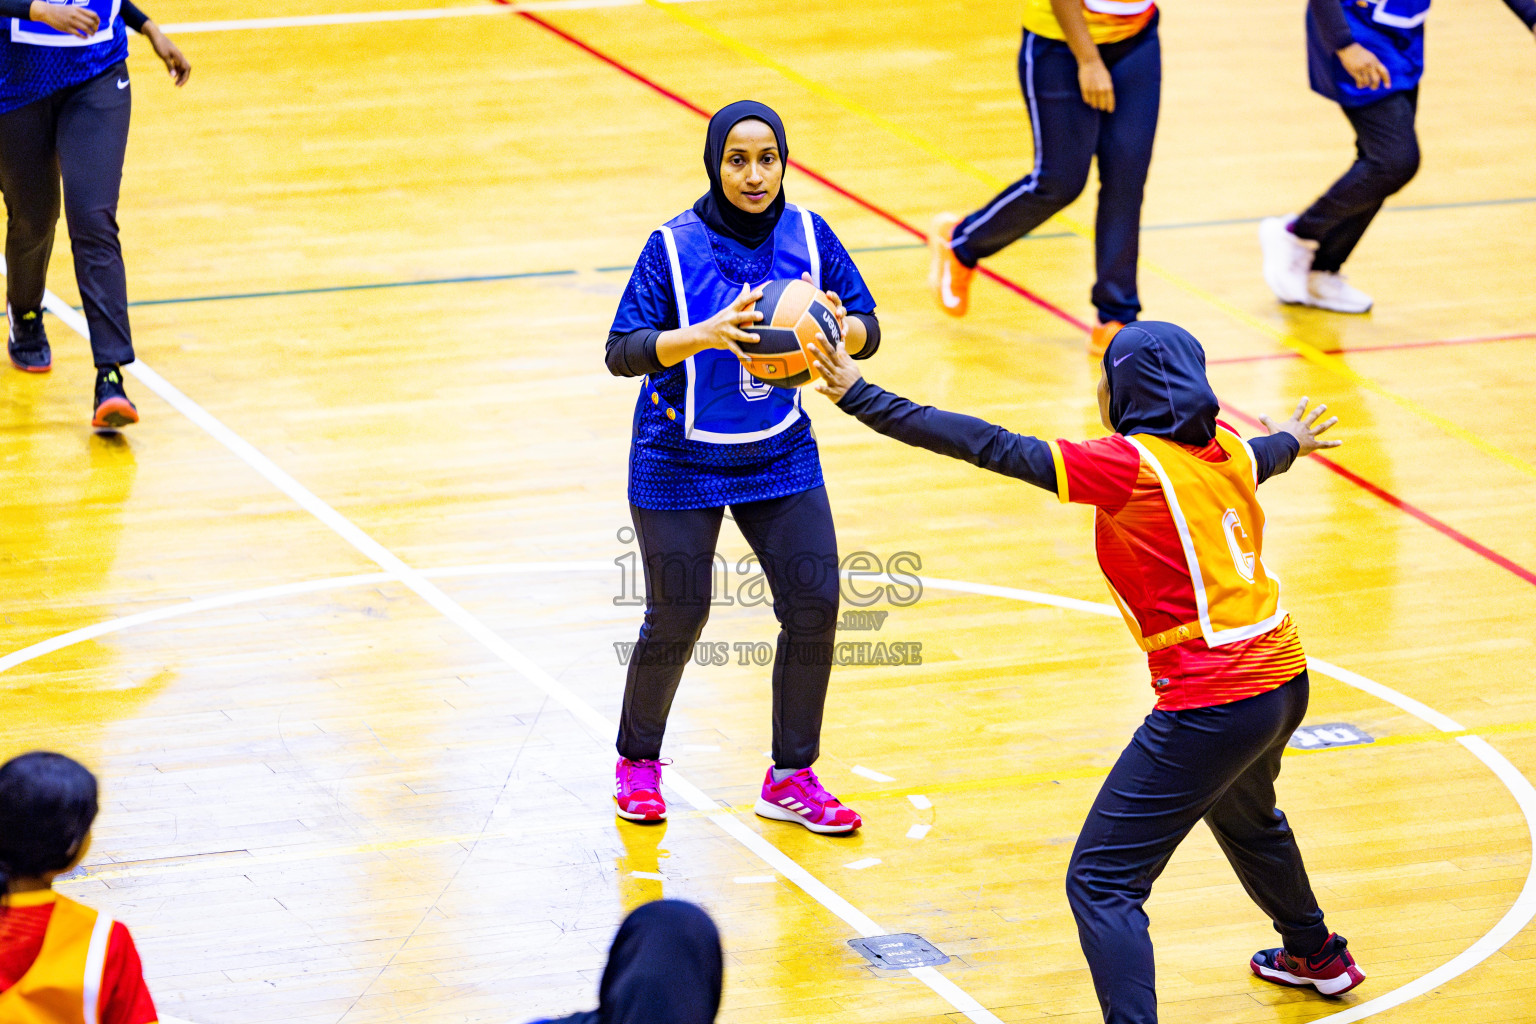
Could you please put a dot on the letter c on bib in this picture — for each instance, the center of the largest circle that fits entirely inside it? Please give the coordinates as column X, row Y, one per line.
column 1241, row 560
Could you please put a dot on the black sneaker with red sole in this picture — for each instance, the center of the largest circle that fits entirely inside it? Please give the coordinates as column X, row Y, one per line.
column 113, row 410
column 28, row 342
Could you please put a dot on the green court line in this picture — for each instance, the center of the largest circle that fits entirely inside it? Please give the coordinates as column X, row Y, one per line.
column 625, row 267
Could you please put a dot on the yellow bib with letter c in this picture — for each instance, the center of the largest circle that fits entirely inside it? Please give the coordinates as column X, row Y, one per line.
column 1216, row 512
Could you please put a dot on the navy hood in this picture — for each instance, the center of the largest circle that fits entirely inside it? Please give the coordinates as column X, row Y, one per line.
column 1157, row 384
column 665, row 967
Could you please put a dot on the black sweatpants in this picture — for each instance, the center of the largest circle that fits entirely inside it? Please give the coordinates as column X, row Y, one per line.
column 1217, row 763
column 81, row 133
column 794, row 542
column 1068, row 135
column 1386, row 159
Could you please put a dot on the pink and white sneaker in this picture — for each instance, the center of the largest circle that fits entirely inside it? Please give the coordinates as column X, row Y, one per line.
column 637, row 790
column 800, row 798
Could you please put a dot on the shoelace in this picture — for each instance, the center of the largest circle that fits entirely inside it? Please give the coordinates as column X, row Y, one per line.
column 817, row 791
column 640, row 776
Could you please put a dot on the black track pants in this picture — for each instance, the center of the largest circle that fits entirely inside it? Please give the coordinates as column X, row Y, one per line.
column 80, row 134
column 794, row 542
column 1217, row 763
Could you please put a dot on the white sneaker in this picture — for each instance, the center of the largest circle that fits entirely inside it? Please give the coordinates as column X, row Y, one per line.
column 1287, row 259
column 1332, row 291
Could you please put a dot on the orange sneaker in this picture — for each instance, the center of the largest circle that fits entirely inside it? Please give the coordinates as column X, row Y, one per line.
column 947, row 276
column 1103, row 333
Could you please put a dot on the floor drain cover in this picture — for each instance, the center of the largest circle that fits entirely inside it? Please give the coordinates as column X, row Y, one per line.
column 1334, row 734
column 899, row 952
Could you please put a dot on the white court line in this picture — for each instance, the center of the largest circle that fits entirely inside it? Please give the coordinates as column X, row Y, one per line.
column 1520, row 913
column 372, row 17
column 1514, row 920
column 511, row 656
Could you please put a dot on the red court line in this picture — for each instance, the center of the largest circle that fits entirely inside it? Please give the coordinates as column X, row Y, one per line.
column 815, row 176
column 1440, row 343
column 1409, row 508
column 1391, row 499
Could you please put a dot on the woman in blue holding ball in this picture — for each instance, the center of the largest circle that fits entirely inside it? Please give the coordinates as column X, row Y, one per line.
column 708, row 435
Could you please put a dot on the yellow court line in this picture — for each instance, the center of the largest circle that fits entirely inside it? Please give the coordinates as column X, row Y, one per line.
column 1311, row 353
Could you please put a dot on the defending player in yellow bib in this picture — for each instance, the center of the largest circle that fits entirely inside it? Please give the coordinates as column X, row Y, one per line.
column 1216, row 510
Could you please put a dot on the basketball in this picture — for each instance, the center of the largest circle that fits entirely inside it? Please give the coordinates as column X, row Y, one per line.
column 793, row 312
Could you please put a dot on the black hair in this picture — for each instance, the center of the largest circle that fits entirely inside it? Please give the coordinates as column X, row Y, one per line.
column 47, row 804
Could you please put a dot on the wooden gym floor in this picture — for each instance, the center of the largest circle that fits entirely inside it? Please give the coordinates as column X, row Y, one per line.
column 336, row 623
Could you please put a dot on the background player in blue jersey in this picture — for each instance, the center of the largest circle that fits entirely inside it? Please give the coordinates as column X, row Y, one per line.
column 707, row 436
column 1367, row 56
column 64, row 108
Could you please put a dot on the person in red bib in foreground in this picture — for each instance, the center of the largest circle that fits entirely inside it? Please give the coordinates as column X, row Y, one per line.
column 1180, row 537
column 60, row 962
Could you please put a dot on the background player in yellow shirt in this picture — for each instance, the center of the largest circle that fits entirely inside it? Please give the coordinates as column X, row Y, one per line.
column 1091, row 71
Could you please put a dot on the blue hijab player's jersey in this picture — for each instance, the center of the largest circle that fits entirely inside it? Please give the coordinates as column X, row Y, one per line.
column 37, row 61
column 706, row 433
column 723, row 404
column 1393, row 30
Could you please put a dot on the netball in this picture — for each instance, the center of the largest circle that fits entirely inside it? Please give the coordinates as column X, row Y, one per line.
column 793, row 312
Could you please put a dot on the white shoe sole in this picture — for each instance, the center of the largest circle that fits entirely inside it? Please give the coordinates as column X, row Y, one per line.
column 764, row 809
column 631, row 816
column 1337, row 307
column 1276, row 242
column 1327, row 986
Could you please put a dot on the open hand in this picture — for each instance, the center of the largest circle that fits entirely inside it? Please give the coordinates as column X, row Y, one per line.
column 724, row 329
column 1304, row 427
column 77, row 21
column 838, row 370
column 1364, row 67
column 176, row 63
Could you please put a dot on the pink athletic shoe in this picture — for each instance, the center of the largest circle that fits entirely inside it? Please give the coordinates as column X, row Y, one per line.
column 637, row 790
column 801, row 799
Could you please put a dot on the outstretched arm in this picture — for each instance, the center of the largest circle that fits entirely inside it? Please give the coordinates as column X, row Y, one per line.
column 1301, row 431
column 960, row 437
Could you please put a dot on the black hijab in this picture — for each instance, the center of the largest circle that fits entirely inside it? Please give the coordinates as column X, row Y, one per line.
column 664, row 968
column 721, row 215
column 1157, row 384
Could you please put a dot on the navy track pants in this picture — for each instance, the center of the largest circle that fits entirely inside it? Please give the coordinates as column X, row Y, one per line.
column 1219, row 764
column 1068, row 134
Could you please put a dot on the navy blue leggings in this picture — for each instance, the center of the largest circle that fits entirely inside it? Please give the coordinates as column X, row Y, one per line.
column 1386, row 159
column 797, row 549
column 1217, row 763
column 1068, row 135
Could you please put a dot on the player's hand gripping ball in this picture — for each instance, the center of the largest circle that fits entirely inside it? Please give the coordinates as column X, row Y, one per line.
column 793, row 313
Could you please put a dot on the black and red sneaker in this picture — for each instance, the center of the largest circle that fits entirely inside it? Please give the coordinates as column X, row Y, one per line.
column 113, row 410
column 28, row 342
column 1331, row 970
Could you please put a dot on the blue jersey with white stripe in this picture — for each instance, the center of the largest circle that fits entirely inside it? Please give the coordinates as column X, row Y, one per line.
column 1393, row 30
column 722, row 403
column 37, row 61
column 745, row 444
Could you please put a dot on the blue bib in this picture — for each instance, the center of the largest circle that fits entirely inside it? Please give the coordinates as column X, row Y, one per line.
column 36, row 33
column 723, row 404
column 1393, row 30
column 37, row 61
